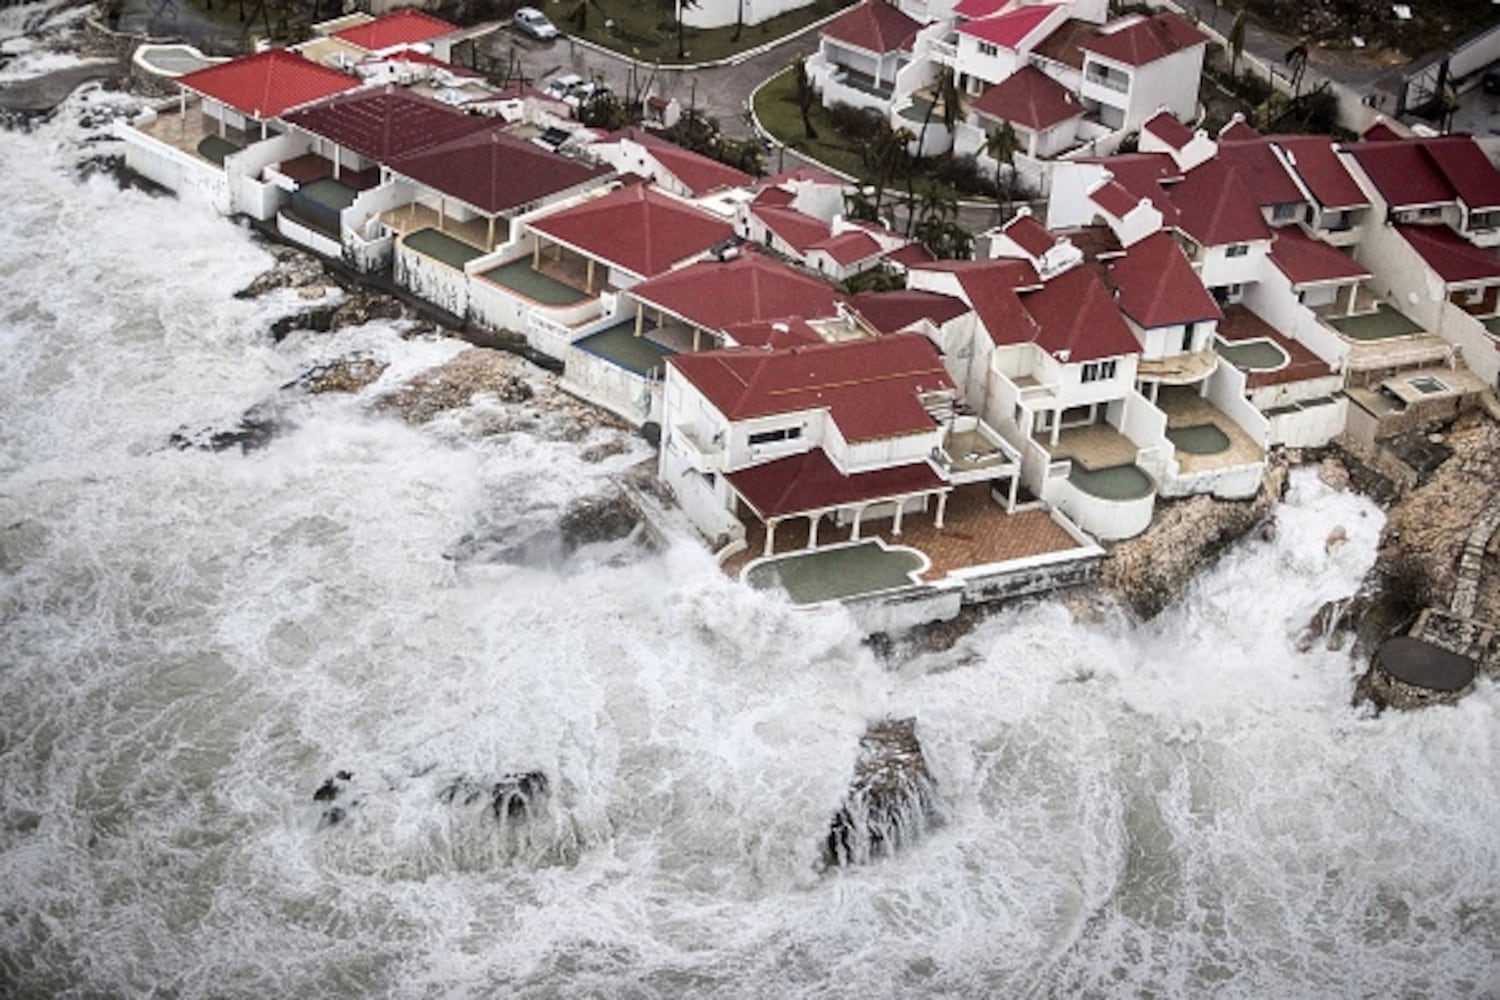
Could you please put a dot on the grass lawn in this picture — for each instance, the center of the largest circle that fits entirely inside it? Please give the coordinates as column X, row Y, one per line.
column 647, row 31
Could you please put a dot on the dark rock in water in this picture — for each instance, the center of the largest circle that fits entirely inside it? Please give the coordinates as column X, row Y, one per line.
column 317, row 320
column 515, row 796
column 651, row 432
column 597, row 519
column 349, row 374
column 254, row 430
column 892, row 800
column 1409, row 672
column 330, row 790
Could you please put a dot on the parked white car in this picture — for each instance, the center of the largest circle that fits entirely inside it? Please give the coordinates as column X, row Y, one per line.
column 585, row 92
column 530, row 21
column 560, row 87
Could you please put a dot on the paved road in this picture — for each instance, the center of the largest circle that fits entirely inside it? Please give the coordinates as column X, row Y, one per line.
column 720, row 91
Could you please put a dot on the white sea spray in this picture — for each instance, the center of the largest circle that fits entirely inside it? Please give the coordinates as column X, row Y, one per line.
column 192, row 642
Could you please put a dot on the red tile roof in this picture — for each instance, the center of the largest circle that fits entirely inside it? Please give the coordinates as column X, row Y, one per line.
column 698, row 173
column 774, row 333
column 1011, row 29
column 1306, row 261
column 746, row 289
column 1317, row 164
column 1403, row 173
column 1215, row 206
column 1237, row 131
column 848, row 247
column 772, row 197
column 1065, row 44
column 1030, row 98
column 1460, row 160
column 1453, row 258
column 809, row 482
column 1077, row 318
column 875, row 26
column 973, row 9
column 890, row 312
column 494, row 172
column 1158, row 287
column 405, row 27
column 1114, row 199
column 1168, row 129
column 636, row 228
column 870, row 388
column 1029, row 234
column 387, row 123
column 1147, row 40
column 798, row 230
column 267, row 84
column 1380, row 132
column 911, row 255
column 1264, row 174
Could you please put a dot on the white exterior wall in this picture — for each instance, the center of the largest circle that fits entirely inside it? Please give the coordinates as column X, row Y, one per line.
column 634, row 398
column 310, row 238
column 187, row 175
column 1310, row 426
column 1108, row 520
column 248, row 194
column 969, row 61
column 865, row 456
column 1226, row 390
column 722, row 13
column 1273, row 300
column 740, row 453
column 1073, row 391
column 1400, row 272
column 443, row 286
column 1217, row 268
column 1170, row 83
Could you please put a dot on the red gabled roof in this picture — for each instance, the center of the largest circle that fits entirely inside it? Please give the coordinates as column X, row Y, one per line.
column 267, row 84
column 1030, row 98
column 870, row 388
column 1453, row 258
column 848, row 247
column 1264, row 174
column 1216, row 207
column 1077, row 319
column 1011, row 29
column 1306, row 261
column 772, row 197
column 875, row 26
column 1463, row 164
column 746, row 289
column 1317, row 164
column 798, row 230
column 1114, row 199
column 893, row 311
column 1065, row 43
column 809, row 482
column 1381, row 131
column 911, row 255
column 1158, row 287
column 387, row 123
column 786, row 331
column 636, row 228
column 405, row 27
column 1029, row 234
column 1168, row 129
column 1403, row 173
column 1147, row 40
column 495, row 172
column 974, row 9
column 698, row 173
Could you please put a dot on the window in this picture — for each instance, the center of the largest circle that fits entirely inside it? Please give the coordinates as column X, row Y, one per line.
column 1187, row 337
column 988, row 49
column 1237, row 250
column 1284, row 212
column 1098, row 371
column 770, row 437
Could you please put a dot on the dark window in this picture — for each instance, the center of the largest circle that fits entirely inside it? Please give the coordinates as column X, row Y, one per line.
column 768, row 437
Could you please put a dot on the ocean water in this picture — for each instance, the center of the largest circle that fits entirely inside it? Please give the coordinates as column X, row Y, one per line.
column 191, row 642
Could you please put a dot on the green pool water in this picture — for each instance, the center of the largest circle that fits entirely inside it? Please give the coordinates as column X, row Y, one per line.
column 1116, row 482
column 1257, row 355
column 1203, row 439
column 834, row 573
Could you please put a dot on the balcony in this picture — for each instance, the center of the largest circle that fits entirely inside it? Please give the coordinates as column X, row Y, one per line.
column 972, row 451
column 1117, row 82
column 702, row 455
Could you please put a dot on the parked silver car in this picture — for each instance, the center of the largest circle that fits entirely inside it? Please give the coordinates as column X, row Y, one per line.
column 530, row 21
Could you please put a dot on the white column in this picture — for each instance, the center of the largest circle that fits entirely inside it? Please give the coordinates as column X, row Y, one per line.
column 771, row 535
column 1056, row 427
column 859, row 512
column 942, row 509
column 1015, row 484
column 900, row 509
column 812, row 530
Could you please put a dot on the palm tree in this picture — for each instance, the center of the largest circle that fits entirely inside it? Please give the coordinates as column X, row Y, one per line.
column 1296, row 64
column 1001, row 145
column 805, row 96
column 682, row 9
column 1236, row 43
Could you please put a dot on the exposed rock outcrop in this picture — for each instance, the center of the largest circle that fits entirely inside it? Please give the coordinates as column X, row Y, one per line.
column 457, row 382
column 350, row 374
column 597, row 519
column 1150, row 570
column 892, row 799
column 514, row 797
column 255, row 429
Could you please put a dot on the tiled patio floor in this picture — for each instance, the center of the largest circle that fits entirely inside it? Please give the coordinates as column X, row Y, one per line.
column 976, row 532
column 1094, row 446
column 1185, row 408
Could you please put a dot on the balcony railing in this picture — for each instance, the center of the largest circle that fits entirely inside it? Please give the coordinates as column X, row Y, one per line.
column 1109, row 81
